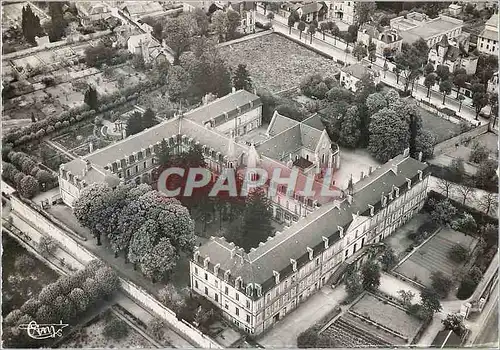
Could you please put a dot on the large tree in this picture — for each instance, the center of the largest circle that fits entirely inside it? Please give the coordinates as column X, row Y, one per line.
column 486, row 174
column 159, row 261
column 359, row 51
column 350, row 128
column 241, row 78
column 411, row 59
column 148, row 119
column 445, row 87
column 233, row 22
column 134, row 124
column 479, row 98
column 455, row 323
column 177, row 33
column 28, row 186
column 179, row 84
column 430, row 300
column 58, row 23
column 30, row 24
column 443, row 212
column 388, row 135
column 371, row 275
column 220, row 24
column 364, row 11
column 430, row 81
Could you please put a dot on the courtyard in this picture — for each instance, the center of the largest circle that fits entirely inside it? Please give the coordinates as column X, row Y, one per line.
column 432, row 256
column 276, row 63
column 353, row 163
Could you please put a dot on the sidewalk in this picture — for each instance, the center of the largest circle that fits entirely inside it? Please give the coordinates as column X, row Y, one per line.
column 336, row 49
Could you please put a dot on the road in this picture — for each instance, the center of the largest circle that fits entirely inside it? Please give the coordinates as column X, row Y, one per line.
column 488, row 336
column 337, row 50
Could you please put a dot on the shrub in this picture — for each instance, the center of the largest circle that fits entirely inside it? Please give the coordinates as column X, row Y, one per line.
column 24, row 263
column 156, row 328
column 47, row 246
column 458, row 253
column 18, row 177
column 308, row 339
column 28, row 187
column 115, row 329
column 466, row 288
column 441, row 283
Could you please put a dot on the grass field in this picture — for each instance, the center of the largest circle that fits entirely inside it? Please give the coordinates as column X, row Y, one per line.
column 433, row 256
column 440, row 127
column 276, row 63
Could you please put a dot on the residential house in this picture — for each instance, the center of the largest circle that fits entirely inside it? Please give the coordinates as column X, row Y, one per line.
column 343, row 11
column 383, row 38
column 487, row 41
column 247, row 11
column 256, row 289
column 91, row 12
column 493, row 84
column 351, row 75
column 147, row 47
column 315, row 10
column 455, row 9
column 446, row 54
column 415, row 26
column 140, row 9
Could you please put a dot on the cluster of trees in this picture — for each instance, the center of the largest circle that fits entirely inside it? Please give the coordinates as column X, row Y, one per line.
column 139, row 122
column 225, row 24
column 360, row 51
column 410, row 62
column 368, row 279
column 66, row 299
column 24, row 173
column 104, row 53
column 57, row 25
column 30, row 24
column 149, row 228
column 317, row 86
column 51, row 124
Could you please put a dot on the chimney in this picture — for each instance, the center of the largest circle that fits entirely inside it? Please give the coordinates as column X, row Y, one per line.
column 341, row 231
column 420, row 174
column 87, row 167
column 325, row 240
column 420, row 154
column 372, row 209
column 370, row 170
column 406, row 152
column 361, row 177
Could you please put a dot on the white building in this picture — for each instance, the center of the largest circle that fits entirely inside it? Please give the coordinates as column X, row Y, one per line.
column 387, row 38
column 351, row 75
column 487, row 41
column 147, row 47
column 256, row 289
column 447, row 53
column 343, row 11
column 455, row 9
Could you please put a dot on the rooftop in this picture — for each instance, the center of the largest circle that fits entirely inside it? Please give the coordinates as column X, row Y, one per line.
column 357, row 70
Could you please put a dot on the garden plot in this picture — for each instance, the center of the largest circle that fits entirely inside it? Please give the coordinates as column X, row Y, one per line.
column 60, row 55
column 387, row 315
column 66, row 94
column 33, row 61
column 23, row 275
column 92, row 336
column 75, row 138
column 12, row 13
column 276, row 63
column 46, row 154
column 433, row 256
column 102, row 84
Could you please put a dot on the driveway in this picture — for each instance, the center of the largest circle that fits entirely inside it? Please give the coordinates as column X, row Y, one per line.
column 284, row 334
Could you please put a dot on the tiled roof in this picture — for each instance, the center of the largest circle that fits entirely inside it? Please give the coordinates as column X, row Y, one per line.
column 96, row 174
column 280, row 123
column 489, row 34
column 315, row 122
column 312, row 7
column 282, row 144
column 357, row 70
column 310, row 136
column 227, row 104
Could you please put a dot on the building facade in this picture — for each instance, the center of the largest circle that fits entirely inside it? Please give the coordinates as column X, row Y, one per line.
column 257, row 289
column 384, row 39
column 448, row 53
column 487, row 41
column 351, row 75
column 343, row 11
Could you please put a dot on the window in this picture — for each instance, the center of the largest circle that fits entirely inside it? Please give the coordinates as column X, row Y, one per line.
column 346, row 253
column 226, row 290
column 248, row 318
column 226, row 306
column 128, row 172
column 196, row 284
column 196, row 270
column 317, row 261
column 206, row 290
column 216, row 297
column 237, row 296
column 248, row 304
column 144, row 165
column 206, row 276
column 136, row 169
column 237, row 312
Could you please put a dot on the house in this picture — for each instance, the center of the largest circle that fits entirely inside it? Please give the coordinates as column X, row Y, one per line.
column 455, row 9
column 256, row 289
column 383, row 38
column 449, row 54
column 91, row 12
column 343, row 11
column 417, row 26
column 493, row 84
column 148, row 47
column 487, row 41
column 315, row 10
column 139, row 9
column 350, row 75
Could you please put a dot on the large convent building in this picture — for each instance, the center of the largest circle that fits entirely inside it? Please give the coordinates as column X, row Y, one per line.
column 219, row 127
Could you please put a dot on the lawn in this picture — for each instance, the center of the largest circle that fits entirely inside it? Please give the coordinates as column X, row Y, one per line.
column 433, row 256
column 276, row 63
column 440, row 127
column 23, row 276
column 387, row 315
column 91, row 336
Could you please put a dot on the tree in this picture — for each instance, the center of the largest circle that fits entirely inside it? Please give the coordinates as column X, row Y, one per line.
column 424, row 142
column 202, row 22
column 479, row 153
column 335, row 30
column 364, row 11
column 410, row 60
column 486, row 174
column 58, row 23
column 47, row 246
column 445, row 87
column 115, row 329
column 488, row 202
column 375, row 102
column 444, row 185
column 220, row 24
column 352, row 30
column 350, row 128
column 388, row 135
column 457, row 170
column 443, row 72
column 479, row 98
column 311, row 30
column 454, row 322
column 107, row 280
column 30, row 24
column 28, row 186
column 458, row 253
column 354, row 287
column 79, row 299
column 90, row 97
column 493, row 101
column 323, row 27
column 257, row 218
column 460, row 78
column 441, row 283
column 359, row 51
column 301, row 27
column 156, row 327
column 406, row 296
column 241, row 78
column 177, row 33
column 291, row 22
column 233, row 22
column 460, row 98
column 430, row 81
column 171, row 298
column 443, row 212
column 148, row 119
column 466, row 190
column 371, row 275
column 372, row 52
column 388, row 259
column 134, row 124
column 270, row 16
column 428, row 69
column 179, row 83
column 269, row 103
column 49, row 293
column 160, row 260
column 430, row 300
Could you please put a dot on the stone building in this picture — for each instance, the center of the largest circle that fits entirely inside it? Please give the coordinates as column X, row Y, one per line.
column 487, row 41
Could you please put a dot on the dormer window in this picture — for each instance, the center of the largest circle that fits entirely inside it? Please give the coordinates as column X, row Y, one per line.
column 276, row 277
column 372, row 209
column 294, row 264
column 205, row 262
column 409, row 183
column 341, row 231
column 237, row 283
column 396, row 189
column 196, row 255
column 226, row 275
column 216, row 269
column 420, row 174
column 311, row 253
column 325, row 240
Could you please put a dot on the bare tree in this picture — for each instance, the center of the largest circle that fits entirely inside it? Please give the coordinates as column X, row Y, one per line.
column 466, row 190
column 445, row 186
column 488, row 203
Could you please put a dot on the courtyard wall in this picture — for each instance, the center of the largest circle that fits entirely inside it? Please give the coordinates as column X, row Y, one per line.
column 443, row 146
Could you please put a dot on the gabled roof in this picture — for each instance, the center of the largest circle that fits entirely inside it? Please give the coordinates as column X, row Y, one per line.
column 315, row 122
column 312, row 7
column 357, row 70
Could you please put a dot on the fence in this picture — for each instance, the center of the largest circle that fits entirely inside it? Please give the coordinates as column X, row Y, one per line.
column 33, row 222
column 443, row 146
